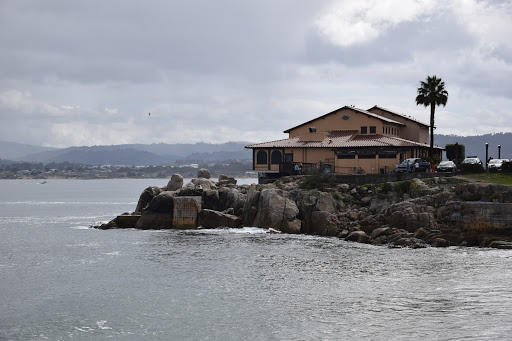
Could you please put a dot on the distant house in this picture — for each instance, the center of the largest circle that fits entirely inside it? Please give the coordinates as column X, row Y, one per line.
column 346, row 141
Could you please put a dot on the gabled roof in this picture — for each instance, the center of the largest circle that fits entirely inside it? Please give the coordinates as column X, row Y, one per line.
column 382, row 118
column 343, row 139
column 400, row 115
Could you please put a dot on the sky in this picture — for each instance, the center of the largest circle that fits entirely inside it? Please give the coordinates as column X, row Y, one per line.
column 83, row 73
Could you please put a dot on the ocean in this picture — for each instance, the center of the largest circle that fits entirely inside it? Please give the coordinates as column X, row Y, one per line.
column 61, row 280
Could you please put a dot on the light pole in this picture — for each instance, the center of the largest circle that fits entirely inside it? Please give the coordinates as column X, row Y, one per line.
column 486, row 156
column 499, row 151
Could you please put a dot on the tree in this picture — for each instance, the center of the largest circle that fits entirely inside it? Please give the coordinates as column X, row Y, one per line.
column 432, row 93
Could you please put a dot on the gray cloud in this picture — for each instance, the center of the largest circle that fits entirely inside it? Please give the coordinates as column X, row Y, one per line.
column 85, row 73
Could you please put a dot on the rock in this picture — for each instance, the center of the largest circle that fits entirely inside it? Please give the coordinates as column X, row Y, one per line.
column 366, row 201
column 343, row 187
column 501, row 244
column 420, row 233
column 226, row 180
column 146, row 196
column 154, row 220
column 232, row 198
column 379, row 232
column 190, row 190
column 203, row 173
column 162, row 203
column 127, row 221
column 175, row 183
column 358, row 236
column 211, row 200
column 440, row 242
column 326, row 202
column 324, row 223
column 204, row 184
column 306, row 203
column 274, row 210
column 213, row 219
column 353, row 215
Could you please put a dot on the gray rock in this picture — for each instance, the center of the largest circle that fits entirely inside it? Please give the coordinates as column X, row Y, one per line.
column 203, row 173
column 440, row 242
column 146, row 196
column 162, row 203
column 211, row 200
column 213, row 219
column 366, row 201
column 226, row 180
column 326, row 202
column 274, row 210
column 204, row 183
column 379, row 232
column 155, row 220
column 324, row 223
column 358, row 236
column 175, row 183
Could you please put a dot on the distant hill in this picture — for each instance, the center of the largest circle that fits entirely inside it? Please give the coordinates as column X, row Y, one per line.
column 141, row 154
column 475, row 145
column 14, row 151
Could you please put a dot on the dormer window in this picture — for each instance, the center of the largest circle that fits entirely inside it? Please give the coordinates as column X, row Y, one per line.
column 364, row 130
column 373, row 130
column 312, row 130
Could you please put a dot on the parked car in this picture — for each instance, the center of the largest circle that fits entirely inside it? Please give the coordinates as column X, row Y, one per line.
column 472, row 160
column 495, row 164
column 415, row 165
column 446, row 166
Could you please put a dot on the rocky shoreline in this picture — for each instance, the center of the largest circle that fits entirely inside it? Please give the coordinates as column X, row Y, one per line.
column 415, row 213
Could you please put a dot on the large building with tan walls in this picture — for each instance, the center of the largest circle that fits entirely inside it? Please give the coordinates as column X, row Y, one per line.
column 346, row 141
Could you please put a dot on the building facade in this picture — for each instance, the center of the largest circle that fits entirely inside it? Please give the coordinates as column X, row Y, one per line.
column 346, row 141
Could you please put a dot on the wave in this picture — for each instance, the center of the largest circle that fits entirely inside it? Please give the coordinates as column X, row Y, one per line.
column 243, row 230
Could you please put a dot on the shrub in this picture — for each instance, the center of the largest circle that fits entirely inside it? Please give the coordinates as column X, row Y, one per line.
column 507, row 167
column 471, row 168
column 386, row 187
column 336, row 196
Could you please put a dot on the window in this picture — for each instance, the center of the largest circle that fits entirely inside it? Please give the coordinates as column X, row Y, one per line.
column 387, row 156
column 276, row 157
column 349, row 156
column 288, row 157
column 364, row 130
column 261, row 157
column 373, row 130
column 366, row 156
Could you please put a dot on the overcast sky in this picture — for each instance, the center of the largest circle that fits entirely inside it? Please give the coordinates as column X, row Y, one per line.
column 89, row 72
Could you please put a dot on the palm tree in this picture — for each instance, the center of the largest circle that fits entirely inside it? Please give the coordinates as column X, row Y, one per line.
column 432, row 92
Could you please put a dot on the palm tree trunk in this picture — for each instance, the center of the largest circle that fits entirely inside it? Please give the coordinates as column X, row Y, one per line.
column 432, row 112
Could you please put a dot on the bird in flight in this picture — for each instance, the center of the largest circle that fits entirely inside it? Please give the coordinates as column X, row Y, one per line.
column 149, row 114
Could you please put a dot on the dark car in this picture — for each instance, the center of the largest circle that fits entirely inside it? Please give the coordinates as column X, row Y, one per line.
column 447, row 166
column 415, row 165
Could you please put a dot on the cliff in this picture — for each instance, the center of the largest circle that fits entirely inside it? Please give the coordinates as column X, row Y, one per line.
column 414, row 213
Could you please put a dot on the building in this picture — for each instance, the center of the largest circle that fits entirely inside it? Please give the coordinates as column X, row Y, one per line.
column 346, row 141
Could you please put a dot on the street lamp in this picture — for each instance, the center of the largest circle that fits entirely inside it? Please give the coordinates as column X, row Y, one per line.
column 499, row 151
column 486, row 156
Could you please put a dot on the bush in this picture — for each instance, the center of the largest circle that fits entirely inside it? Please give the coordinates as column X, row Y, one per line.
column 316, row 181
column 386, row 187
column 471, row 168
column 507, row 167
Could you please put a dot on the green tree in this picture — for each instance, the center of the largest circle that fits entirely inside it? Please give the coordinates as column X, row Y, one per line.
column 432, row 93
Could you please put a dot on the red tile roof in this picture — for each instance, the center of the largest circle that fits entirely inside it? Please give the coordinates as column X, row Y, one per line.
column 343, row 139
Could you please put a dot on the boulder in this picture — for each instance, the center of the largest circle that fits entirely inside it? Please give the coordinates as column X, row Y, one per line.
column 275, row 211
column 163, row 202
column 232, row 198
column 325, row 202
column 324, row 223
column 358, row 236
column 440, row 242
column 204, row 184
column 213, row 219
column 175, row 183
column 307, row 204
column 226, row 180
column 211, row 200
column 203, row 173
column 154, row 220
column 190, row 190
column 379, row 232
column 146, row 196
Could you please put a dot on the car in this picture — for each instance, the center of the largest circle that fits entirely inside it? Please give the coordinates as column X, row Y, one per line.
column 472, row 160
column 495, row 164
column 446, row 166
column 415, row 165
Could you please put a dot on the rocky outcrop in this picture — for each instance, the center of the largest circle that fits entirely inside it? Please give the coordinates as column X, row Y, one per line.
column 203, row 173
column 439, row 212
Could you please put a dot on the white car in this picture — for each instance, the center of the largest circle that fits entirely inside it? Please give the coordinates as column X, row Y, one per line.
column 496, row 163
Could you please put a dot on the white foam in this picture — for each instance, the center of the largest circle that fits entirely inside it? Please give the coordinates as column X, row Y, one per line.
column 101, row 325
column 114, row 253
column 243, row 230
column 79, row 227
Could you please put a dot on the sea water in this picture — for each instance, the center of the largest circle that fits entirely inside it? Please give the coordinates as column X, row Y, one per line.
column 61, row 280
